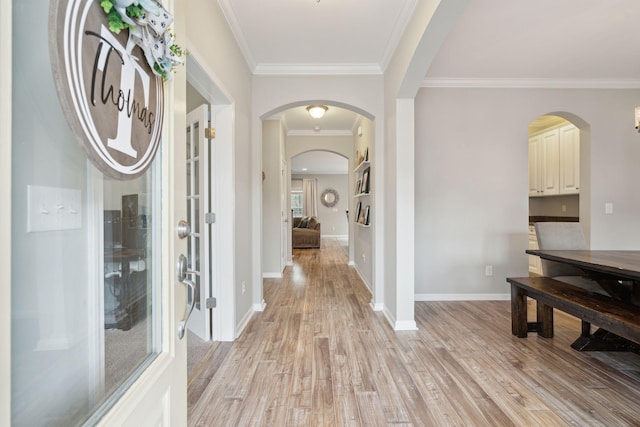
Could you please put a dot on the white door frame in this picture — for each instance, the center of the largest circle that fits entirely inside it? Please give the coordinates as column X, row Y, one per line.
column 222, row 110
column 6, row 41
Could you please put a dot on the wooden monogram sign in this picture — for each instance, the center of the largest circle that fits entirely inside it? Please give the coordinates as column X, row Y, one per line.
column 110, row 96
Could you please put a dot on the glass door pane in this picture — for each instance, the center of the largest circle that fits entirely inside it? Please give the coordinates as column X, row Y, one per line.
column 85, row 255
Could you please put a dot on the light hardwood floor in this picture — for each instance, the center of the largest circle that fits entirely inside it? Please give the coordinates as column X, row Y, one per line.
column 319, row 356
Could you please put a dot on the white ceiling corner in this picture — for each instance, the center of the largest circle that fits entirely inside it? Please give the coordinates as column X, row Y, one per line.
column 310, row 37
column 236, row 29
column 540, row 44
column 398, row 31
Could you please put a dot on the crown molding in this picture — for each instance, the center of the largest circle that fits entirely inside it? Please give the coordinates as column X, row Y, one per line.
column 531, row 83
column 398, row 31
column 316, row 69
column 319, row 133
column 232, row 20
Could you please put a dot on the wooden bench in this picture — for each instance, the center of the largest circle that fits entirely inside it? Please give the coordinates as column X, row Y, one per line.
column 614, row 317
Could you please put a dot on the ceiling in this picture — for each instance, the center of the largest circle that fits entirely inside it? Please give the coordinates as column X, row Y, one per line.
column 531, row 43
column 311, row 37
column 575, row 42
column 319, row 162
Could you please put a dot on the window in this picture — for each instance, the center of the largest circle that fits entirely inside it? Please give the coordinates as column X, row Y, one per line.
column 296, row 203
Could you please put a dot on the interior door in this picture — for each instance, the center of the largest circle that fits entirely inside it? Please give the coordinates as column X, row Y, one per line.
column 56, row 356
column 198, row 207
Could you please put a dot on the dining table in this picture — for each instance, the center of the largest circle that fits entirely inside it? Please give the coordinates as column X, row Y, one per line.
column 617, row 272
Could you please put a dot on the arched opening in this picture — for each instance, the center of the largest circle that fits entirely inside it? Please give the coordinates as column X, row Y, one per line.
column 319, row 187
column 290, row 135
column 558, row 165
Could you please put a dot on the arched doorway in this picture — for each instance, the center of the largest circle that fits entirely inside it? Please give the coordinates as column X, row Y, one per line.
column 288, row 132
column 558, row 173
column 319, row 186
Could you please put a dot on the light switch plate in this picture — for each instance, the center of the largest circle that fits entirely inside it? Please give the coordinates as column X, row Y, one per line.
column 608, row 208
column 53, row 208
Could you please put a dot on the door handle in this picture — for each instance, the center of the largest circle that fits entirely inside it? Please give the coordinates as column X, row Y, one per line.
column 191, row 301
column 190, row 287
column 181, row 270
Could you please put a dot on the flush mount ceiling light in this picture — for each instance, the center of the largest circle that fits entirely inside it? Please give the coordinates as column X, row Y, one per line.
column 317, row 111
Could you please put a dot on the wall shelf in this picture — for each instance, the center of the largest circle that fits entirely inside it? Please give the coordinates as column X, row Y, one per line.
column 361, row 166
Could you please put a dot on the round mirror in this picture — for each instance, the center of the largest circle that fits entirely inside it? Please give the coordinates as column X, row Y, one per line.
column 329, row 197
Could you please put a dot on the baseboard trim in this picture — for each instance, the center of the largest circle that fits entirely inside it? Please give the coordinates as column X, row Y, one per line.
column 399, row 325
column 336, row 236
column 462, row 297
column 405, row 325
column 272, row 275
column 355, row 266
column 390, row 317
column 247, row 317
column 243, row 323
column 377, row 306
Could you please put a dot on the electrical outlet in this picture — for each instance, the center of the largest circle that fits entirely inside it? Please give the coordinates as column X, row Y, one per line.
column 244, row 287
column 364, row 258
column 564, row 208
column 488, row 270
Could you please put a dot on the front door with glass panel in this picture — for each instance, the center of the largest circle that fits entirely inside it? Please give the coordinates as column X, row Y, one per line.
column 93, row 283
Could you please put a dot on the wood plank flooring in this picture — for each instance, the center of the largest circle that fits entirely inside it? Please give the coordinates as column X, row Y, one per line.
column 319, row 356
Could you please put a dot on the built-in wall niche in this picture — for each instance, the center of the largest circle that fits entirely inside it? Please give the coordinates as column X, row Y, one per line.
column 568, row 206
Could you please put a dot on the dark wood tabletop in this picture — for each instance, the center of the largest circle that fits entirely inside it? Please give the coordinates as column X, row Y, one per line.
column 621, row 264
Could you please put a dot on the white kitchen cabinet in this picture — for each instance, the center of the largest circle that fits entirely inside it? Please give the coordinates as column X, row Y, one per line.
column 534, row 169
column 569, row 160
column 554, row 161
column 550, row 167
column 535, row 266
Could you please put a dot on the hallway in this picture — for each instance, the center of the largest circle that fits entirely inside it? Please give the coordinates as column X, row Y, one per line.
column 318, row 355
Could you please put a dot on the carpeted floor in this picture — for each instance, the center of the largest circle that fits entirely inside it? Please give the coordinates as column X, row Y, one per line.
column 196, row 350
column 124, row 351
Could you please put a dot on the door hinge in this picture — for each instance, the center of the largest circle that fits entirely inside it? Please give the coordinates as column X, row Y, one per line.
column 210, row 133
column 211, row 303
column 210, row 218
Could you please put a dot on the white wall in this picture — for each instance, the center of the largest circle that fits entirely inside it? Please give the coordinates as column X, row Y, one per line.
column 363, row 237
column 471, row 180
column 217, row 52
column 423, row 36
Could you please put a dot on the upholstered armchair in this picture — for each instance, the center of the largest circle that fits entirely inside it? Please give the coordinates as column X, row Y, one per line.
column 306, row 233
